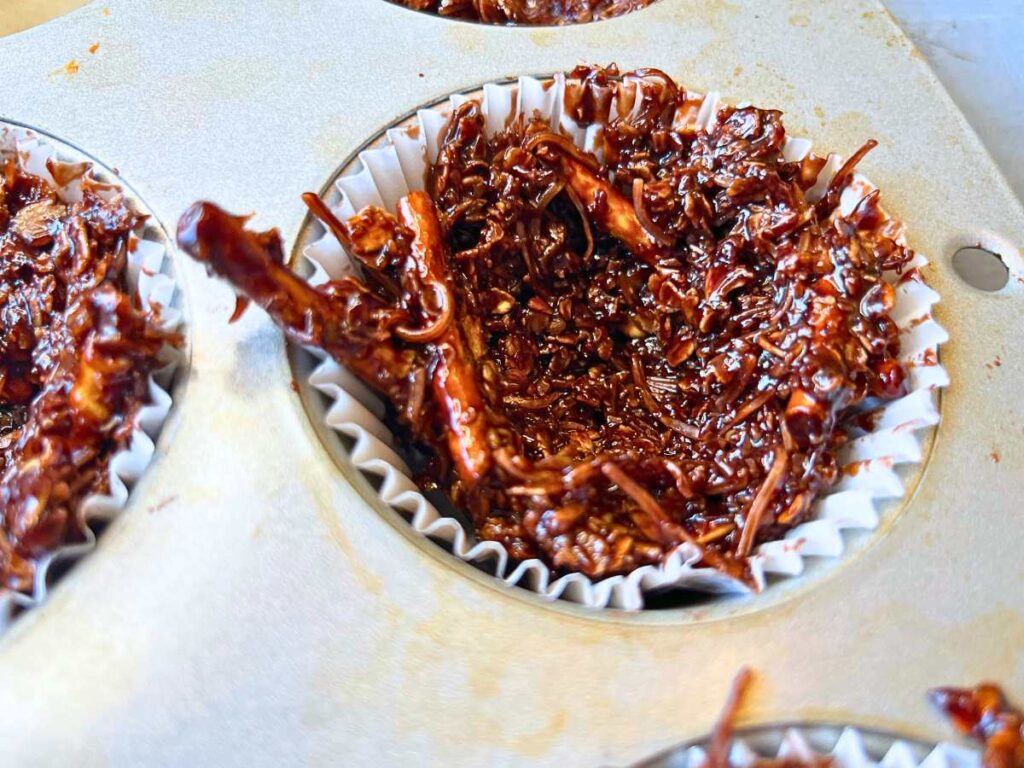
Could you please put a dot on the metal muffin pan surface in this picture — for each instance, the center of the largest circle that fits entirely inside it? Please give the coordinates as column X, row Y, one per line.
column 249, row 608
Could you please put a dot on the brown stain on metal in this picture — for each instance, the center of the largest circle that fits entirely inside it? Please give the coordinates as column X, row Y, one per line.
column 465, row 38
column 996, row 642
column 329, row 517
column 315, row 482
column 483, row 682
column 780, row 81
column 455, row 641
column 542, row 37
column 537, row 743
column 417, row 672
column 849, row 130
column 715, row 19
column 715, row 13
column 459, row 642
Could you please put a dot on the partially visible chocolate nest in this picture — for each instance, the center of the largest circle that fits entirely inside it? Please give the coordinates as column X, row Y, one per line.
column 76, row 351
column 545, row 12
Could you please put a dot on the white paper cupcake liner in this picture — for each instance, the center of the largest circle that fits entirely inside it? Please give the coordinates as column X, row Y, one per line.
column 150, row 273
column 397, row 165
column 852, row 749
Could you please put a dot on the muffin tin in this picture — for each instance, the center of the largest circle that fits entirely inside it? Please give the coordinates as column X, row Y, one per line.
column 251, row 607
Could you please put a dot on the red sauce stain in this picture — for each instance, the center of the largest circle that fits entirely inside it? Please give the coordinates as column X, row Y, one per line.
column 295, row 386
column 930, row 357
column 71, row 68
column 93, row 48
column 996, row 456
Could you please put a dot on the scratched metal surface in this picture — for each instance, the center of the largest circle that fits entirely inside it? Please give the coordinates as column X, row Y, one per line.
column 252, row 609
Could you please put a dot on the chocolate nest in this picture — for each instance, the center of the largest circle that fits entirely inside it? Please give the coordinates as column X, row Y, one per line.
column 601, row 358
column 544, row 12
column 76, row 351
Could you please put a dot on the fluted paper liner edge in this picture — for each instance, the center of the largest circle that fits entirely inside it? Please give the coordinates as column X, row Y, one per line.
column 849, row 751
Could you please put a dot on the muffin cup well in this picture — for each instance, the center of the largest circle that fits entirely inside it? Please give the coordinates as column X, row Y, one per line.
column 882, row 437
column 150, row 274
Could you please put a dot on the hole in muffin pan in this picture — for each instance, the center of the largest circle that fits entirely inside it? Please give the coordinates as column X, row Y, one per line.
column 673, row 606
column 981, row 268
column 513, row 25
column 170, row 379
column 847, row 745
